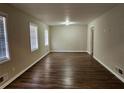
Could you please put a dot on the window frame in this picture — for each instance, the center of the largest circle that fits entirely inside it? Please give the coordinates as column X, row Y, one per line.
column 33, row 24
column 46, row 32
column 7, row 58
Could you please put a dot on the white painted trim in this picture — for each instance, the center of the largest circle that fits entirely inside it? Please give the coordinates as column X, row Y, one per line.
column 109, row 69
column 89, row 52
column 17, row 75
column 67, row 51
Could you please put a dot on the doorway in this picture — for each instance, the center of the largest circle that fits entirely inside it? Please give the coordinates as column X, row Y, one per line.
column 92, row 41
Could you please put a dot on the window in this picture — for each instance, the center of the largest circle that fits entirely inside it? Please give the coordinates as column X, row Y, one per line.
column 33, row 36
column 4, row 53
column 46, row 38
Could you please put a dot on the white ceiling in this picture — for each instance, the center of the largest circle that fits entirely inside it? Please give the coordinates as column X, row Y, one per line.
column 53, row 14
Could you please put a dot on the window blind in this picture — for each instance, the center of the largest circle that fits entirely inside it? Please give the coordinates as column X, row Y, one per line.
column 3, row 39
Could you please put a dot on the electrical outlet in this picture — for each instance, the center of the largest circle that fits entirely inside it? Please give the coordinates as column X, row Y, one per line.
column 3, row 78
column 120, row 71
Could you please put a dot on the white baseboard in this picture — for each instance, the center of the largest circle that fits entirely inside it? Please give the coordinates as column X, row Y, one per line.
column 109, row 69
column 20, row 73
column 67, row 51
column 89, row 52
column 16, row 76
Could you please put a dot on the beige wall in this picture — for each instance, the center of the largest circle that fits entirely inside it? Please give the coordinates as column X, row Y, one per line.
column 19, row 43
column 109, row 39
column 68, row 38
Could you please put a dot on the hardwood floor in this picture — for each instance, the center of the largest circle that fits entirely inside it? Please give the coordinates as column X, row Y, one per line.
column 66, row 70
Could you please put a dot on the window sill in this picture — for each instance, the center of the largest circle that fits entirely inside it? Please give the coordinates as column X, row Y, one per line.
column 46, row 45
column 4, row 60
column 33, row 50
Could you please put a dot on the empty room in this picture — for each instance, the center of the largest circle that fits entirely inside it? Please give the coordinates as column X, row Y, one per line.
column 61, row 46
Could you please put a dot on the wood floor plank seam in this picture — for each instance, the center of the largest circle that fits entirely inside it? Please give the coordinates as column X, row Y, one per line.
column 67, row 71
column 20, row 73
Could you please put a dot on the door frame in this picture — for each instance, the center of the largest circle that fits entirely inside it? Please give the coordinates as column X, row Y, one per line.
column 92, row 40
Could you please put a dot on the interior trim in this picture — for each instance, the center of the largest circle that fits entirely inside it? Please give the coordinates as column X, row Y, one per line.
column 109, row 69
column 20, row 73
column 67, row 51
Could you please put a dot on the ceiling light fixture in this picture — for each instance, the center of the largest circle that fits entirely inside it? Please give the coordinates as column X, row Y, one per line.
column 67, row 22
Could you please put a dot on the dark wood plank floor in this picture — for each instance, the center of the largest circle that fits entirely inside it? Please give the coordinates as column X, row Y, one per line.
column 67, row 70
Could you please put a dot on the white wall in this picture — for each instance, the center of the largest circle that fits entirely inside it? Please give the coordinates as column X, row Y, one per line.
column 109, row 39
column 68, row 38
column 21, row 56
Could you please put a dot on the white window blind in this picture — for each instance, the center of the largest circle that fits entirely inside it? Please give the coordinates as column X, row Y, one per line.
column 4, row 53
column 33, row 36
